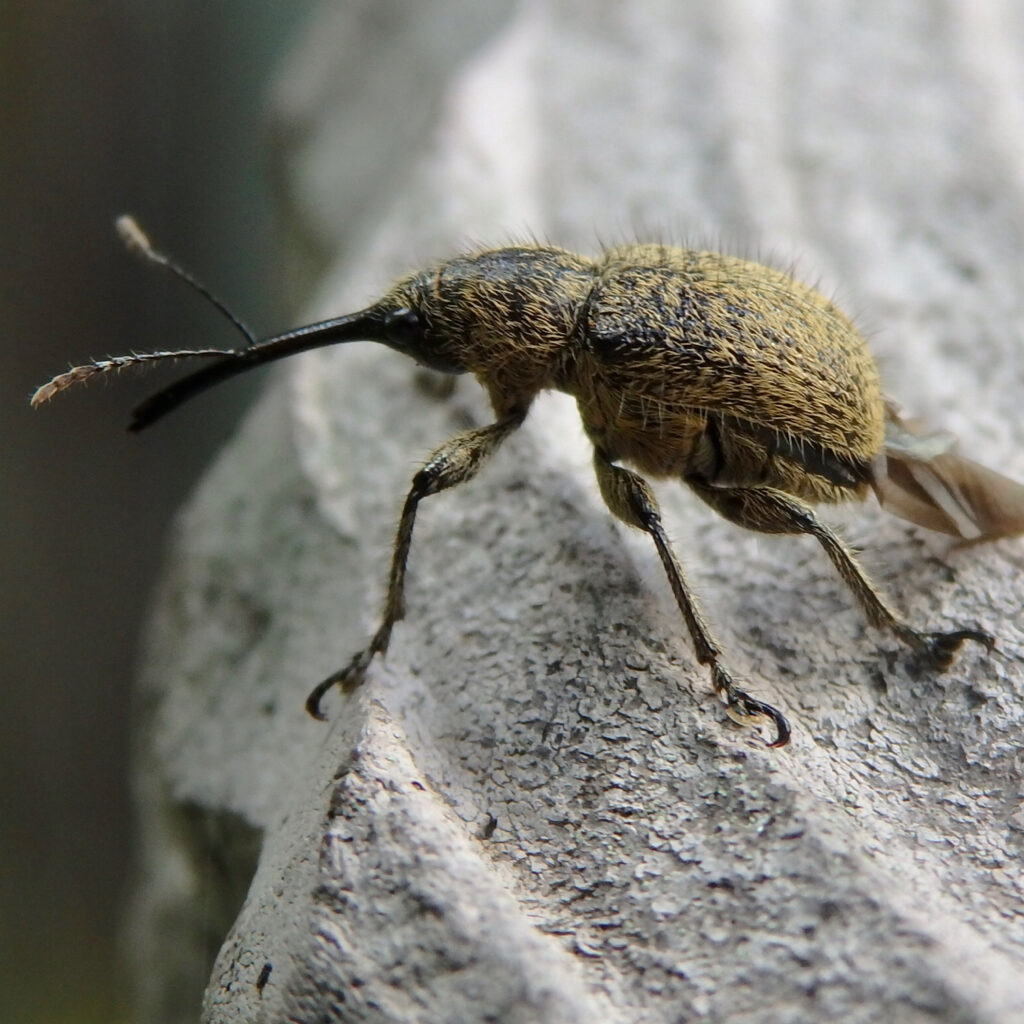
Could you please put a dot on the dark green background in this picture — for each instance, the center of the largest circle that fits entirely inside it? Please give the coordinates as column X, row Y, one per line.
column 158, row 108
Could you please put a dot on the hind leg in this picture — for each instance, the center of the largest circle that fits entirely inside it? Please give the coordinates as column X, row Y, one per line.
column 767, row 510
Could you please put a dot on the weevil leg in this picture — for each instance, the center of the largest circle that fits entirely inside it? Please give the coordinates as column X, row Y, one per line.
column 772, row 511
column 454, row 462
column 629, row 498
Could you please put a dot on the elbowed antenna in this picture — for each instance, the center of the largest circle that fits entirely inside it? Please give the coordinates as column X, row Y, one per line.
column 137, row 241
column 362, row 326
column 366, row 325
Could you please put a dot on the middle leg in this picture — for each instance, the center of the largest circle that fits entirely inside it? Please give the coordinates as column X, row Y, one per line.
column 768, row 510
column 630, row 499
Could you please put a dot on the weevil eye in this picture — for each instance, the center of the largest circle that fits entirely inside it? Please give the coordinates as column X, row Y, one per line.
column 403, row 329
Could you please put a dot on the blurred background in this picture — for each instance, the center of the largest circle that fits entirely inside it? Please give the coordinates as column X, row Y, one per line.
column 159, row 109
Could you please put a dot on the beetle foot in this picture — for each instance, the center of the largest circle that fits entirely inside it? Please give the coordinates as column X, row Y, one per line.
column 347, row 679
column 741, row 707
column 939, row 649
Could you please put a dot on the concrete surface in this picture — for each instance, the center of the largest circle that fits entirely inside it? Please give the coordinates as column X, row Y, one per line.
column 534, row 810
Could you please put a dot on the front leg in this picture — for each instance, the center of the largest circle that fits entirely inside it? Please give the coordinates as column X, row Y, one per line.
column 630, row 499
column 456, row 461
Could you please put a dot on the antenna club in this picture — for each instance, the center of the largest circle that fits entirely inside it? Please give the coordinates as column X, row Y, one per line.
column 63, row 381
column 43, row 394
column 132, row 235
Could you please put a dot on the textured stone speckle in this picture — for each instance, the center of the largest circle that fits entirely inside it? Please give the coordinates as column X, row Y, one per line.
column 533, row 810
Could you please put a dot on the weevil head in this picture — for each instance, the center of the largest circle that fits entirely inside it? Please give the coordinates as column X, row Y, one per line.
column 409, row 320
column 502, row 314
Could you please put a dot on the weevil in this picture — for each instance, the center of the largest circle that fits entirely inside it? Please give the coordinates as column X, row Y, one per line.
column 755, row 391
